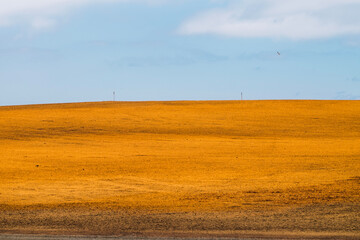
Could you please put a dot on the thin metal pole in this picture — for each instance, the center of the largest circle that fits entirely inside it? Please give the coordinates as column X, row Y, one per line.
column 114, row 96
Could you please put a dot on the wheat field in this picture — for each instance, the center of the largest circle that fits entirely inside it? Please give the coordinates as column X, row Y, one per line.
column 192, row 168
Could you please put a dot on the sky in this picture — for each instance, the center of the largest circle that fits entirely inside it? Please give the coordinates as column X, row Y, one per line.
column 54, row 51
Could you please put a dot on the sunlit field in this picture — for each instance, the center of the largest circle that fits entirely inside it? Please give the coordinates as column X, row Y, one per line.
column 211, row 167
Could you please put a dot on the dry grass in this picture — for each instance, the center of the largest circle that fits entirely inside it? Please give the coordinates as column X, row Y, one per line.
column 225, row 157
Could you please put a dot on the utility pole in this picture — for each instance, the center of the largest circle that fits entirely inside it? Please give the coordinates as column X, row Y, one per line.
column 114, row 96
column 241, row 96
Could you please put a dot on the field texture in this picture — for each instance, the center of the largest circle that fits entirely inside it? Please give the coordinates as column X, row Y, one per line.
column 212, row 168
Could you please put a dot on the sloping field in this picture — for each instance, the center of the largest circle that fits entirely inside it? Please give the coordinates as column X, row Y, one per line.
column 212, row 168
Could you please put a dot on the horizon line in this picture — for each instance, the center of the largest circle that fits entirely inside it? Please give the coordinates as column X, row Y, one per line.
column 158, row 101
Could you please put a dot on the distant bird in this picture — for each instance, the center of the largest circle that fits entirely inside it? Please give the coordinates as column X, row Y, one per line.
column 278, row 53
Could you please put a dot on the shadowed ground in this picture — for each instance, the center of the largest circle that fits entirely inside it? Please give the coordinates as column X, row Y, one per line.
column 184, row 169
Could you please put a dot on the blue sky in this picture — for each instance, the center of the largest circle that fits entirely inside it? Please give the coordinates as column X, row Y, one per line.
column 83, row 50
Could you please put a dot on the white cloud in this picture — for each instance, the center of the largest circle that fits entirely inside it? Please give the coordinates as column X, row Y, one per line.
column 36, row 13
column 39, row 14
column 294, row 19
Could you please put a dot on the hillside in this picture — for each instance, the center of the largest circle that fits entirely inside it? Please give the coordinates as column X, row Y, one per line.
column 195, row 168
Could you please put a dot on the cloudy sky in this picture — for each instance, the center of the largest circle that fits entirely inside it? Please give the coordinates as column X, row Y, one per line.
column 83, row 50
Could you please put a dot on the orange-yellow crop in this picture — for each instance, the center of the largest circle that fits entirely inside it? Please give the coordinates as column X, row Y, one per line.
column 181, row 156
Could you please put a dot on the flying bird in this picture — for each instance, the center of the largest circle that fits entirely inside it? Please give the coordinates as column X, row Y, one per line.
column 278, row 53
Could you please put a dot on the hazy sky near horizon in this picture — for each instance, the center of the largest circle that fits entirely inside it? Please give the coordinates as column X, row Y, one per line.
column 83, row 50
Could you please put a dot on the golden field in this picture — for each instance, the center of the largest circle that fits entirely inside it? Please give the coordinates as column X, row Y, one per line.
column 214, row 167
